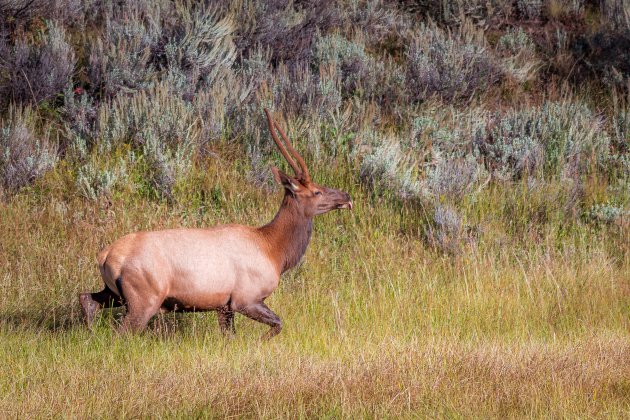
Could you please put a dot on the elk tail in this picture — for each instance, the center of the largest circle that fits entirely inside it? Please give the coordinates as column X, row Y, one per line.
column 120, row 290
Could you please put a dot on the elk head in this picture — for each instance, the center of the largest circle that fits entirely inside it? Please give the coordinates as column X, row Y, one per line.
column 314, row 199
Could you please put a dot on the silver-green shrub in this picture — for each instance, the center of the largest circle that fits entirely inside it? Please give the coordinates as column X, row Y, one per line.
column 451, row 67
column 514, row 147
column 449, row 167
column 448, row 11
column 357, row 69
column 607, row 213
column 573, row 8
column 380, row 21
column 286, row 29
column 435, row 160
column 35, row 70
column 616, row 13
column 518, row 54
column 621, row 129
column 450, row 154
column 451, row 179
column 121, row 60
column 515, row 41
column 159, row 125
column 94, row 182
column 24, row 155
column 543, row 140
column 387, row 167
column 187, row 44
column 21, row 12
column 199, row 48
column 446, row 230
column 79, row 112
column 530, row 9
column 300, row 92
column 619, row 159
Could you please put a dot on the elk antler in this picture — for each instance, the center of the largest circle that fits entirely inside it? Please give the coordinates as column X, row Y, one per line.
column 301, row 171
column 305, row 175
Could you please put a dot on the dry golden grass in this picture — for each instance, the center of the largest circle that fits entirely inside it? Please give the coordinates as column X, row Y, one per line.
column 82, row 376
column 527, row 322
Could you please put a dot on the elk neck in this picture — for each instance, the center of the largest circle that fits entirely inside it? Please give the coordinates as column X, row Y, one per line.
column 288, row 234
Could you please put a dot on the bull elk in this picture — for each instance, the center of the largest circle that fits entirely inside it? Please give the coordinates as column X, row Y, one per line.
column 228, row 268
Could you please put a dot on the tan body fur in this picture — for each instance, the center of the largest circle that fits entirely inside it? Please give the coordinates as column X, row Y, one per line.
column 201, row 269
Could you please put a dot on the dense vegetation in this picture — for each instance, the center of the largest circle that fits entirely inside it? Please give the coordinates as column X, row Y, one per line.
column 485, row 270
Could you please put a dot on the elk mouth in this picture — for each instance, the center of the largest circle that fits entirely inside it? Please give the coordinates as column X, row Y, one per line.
column 347, row 205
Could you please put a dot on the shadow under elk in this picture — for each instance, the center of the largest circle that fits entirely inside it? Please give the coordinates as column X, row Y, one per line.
column 228, row 268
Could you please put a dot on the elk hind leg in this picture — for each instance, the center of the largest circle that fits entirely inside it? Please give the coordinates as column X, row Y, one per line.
column 139, row 313
column 261, row 313
column 140, row 309
column 225, row 314
column 92, row 302
column 137, row 320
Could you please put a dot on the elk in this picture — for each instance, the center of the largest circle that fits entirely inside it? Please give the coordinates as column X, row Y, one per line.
column 227, row 268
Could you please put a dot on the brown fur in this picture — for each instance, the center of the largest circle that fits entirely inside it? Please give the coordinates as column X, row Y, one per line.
column 287, row 235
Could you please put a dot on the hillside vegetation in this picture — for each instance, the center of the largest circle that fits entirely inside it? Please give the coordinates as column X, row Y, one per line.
column 485, row 268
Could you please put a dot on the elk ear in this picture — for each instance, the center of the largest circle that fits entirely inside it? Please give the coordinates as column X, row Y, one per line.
column 285, row 180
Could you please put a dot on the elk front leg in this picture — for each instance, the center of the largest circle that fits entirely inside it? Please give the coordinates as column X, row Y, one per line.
column 261, row 313
column 225, row 314
column 92, row 302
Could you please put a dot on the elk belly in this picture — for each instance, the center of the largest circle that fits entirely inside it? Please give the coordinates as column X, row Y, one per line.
column 212, row 267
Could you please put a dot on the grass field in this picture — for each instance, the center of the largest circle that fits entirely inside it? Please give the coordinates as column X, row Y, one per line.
column 376, row 323
column 484, row 271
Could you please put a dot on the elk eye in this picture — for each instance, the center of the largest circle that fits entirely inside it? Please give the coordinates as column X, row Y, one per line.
column 318, row 193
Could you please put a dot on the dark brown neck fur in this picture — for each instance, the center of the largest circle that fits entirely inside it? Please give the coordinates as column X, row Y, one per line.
column 288, row 234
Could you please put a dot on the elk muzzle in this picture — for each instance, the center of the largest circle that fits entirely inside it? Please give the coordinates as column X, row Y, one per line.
column 343, row 201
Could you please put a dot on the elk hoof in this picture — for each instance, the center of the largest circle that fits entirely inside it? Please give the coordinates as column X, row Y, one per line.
column 88, row 309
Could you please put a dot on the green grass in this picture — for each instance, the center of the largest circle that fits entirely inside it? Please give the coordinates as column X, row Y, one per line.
column 530, row 319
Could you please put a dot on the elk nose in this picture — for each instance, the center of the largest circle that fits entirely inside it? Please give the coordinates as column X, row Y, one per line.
column 349, row 200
